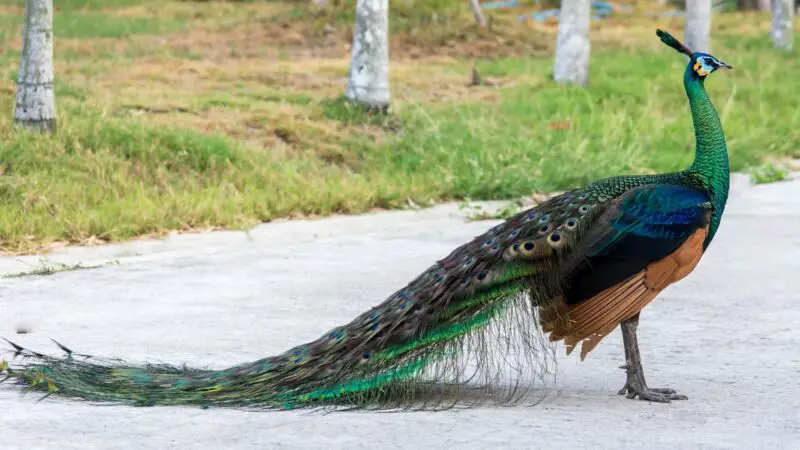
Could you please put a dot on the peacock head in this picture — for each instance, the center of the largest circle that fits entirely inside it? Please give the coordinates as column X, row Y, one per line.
column 702, row 64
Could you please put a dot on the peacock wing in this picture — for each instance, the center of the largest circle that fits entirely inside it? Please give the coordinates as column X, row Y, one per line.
column 645, row 240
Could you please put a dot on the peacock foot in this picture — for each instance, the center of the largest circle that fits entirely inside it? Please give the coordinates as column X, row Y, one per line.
column 660, row 395
column 637, row 387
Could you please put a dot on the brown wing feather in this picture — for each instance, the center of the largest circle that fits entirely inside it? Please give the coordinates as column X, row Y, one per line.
column 592, row 320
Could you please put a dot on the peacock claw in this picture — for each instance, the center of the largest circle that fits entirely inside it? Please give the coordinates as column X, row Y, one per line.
column 660, row 395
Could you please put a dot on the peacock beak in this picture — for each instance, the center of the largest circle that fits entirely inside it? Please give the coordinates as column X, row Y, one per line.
column 725, row 65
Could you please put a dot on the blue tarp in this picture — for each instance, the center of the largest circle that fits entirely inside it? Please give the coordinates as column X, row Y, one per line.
column 601, row 10
column 500, row 5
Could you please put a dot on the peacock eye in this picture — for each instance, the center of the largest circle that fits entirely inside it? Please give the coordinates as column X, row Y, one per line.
column 710, row 62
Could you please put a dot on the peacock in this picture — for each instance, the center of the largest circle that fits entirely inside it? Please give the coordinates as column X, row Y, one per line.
column 570, row 270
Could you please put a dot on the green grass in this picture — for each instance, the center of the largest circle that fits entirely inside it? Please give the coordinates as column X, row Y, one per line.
column 79, row 25
column 46, row 268
column 85, row 19
column 248, row 141
column 67, row 5
column 95, row 25
column 768, row 173
column 83, row 25
column 632, row 118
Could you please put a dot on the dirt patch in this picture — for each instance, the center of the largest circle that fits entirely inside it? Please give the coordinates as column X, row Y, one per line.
column 252, row 84
column 252, row 38
column 276, row 105
column 264, row 36
column 11, row 10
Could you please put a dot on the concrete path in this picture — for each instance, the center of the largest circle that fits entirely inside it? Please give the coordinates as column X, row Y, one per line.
column 728, row 337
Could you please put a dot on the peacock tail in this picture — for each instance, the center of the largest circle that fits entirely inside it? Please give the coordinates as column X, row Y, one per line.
column 484, row 317
column 435, row 332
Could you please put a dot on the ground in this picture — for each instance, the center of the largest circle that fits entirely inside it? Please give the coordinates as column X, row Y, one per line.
column 184, row 115
column 726, row 336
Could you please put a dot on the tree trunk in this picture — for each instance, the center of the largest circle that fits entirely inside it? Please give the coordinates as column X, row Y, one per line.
column 368, row 83
column 572, row 45
column 36, row 101
column 477, row 11
column 698, row 25
column 782, row 13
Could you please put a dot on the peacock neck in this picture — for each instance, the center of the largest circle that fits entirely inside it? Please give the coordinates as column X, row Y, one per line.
column 710, row 167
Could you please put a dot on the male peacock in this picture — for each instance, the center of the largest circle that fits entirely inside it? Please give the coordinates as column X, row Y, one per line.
column 573, row 267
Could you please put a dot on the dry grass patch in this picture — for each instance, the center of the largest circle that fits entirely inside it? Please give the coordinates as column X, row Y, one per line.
column 265, row 103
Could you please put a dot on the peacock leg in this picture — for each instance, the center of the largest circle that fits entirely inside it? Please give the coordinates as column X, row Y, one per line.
column 636, row 384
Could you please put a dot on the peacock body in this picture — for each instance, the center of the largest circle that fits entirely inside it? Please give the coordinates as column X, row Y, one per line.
column 571, row 269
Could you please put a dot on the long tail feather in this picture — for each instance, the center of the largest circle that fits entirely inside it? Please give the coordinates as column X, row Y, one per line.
column 469, row 321
column 428, row 336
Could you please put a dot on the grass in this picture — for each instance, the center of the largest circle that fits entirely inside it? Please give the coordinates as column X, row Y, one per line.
column 47, row 268
column 476, row 211
column 406, row 15
column 229, row 120
column 82, row 24
column 768, row 173
column 66, row 5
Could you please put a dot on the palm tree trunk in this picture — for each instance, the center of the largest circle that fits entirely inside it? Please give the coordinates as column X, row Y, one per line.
column 477, row 11
column 368, row 83
column 782, row 15
column 572, row 45
column 698, row 25
column 36, row 101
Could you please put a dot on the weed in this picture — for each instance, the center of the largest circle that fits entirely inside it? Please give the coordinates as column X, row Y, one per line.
column 46, row 268
column 768, row 173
